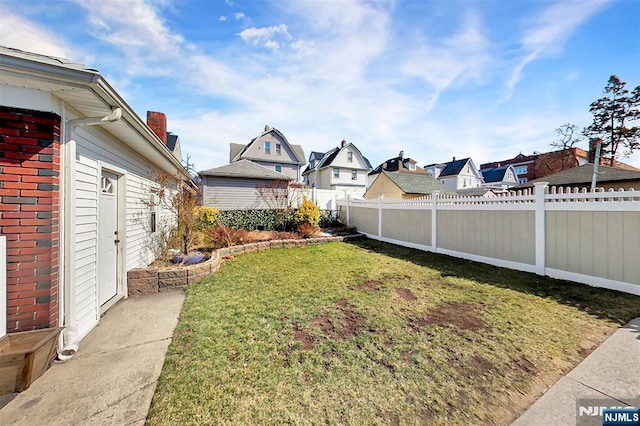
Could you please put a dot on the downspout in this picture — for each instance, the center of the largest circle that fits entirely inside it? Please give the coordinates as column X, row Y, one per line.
column 69, row 338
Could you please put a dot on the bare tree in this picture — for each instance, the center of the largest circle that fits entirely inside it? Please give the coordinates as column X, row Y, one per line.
column 281, row 196
column 569, row 135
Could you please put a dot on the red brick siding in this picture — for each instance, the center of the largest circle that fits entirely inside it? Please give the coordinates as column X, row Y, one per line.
column 29, row 215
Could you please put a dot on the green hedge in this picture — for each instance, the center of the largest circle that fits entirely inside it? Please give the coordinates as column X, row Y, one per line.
column 267, row 219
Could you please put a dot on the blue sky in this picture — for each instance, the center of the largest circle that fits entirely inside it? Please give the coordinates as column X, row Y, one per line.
column 437, row 79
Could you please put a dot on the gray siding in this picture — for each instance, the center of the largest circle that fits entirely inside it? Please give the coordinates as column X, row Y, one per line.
column 232, row 193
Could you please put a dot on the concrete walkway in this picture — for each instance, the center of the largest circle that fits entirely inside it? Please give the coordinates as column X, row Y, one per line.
column 609, row 376
column 113, row 377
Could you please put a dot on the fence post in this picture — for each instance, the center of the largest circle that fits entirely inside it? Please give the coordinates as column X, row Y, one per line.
column 314, row 196
column 434, row 220
column 348, row 213
column 540, row 191
column 380, row 215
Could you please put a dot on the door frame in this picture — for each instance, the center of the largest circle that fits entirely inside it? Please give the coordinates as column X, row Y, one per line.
column 121, row 290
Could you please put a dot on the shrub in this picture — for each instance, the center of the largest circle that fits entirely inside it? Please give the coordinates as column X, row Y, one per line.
column 223, row 236
column 197, row 239
column 307, row 230
column 329, row 219
column 308, row 212
column 264, row 219
column 206, row 216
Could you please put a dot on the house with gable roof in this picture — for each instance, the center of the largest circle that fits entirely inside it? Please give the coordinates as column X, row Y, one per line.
column 456, row 174
column 404, row 186
column 502, row 177
column 341, row 168
column 235, row 186
column 272, row 150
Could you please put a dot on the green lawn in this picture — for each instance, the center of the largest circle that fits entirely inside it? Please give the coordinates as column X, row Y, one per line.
column 373, row 333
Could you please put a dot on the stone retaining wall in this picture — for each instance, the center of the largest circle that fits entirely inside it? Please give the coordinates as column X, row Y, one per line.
column 157, row 280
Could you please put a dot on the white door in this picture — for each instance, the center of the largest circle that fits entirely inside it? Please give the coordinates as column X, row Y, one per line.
column 108, row 238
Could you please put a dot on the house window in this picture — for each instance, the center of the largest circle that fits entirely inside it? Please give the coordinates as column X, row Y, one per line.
column 154, row 202
column 312, row 164
column 267, row 147
column 278, row 168
column 412, row 166
column 349, row 157
column 278, row 149
column 523, row 180
column 336, row 173
column 354, row 175
column 521, row 170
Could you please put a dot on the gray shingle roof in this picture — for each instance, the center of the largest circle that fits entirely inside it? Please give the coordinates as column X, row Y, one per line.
column 417, row 184
column 244, row 169
column 583, row 174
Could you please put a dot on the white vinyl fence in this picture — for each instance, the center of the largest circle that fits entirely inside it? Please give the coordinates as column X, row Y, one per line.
column 327, row 199
column 587, row 237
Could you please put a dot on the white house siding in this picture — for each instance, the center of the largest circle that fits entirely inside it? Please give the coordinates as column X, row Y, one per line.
column 93, row 152
column 86, row 245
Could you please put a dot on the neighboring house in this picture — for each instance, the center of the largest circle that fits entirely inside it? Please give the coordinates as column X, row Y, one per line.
column 456, row 174
column 502, row 177
column 404, row 185
column 480, row 191
column 271, row 150
column 580, row 177
column 399, row 164
column 342, row 168
column 75, row 170
column 235, row 186
column 541, row 164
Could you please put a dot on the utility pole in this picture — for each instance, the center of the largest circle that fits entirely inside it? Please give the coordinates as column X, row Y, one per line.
column 596, row 163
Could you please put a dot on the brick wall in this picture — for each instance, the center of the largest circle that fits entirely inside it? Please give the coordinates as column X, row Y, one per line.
column 29, row 215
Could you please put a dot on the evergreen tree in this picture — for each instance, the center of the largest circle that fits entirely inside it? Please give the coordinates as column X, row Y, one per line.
column 613, row 119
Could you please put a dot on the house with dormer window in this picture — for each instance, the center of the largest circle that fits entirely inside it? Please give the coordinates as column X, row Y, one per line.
column 272, row 150
column 456, row 174
column 341, row 168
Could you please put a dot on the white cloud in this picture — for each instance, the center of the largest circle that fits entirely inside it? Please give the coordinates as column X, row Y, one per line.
column 550, row 29
column 459, row 58
column 265, row 36
column 222, row 18
column 19, row 33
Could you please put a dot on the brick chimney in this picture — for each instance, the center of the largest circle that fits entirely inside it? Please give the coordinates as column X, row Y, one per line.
column 158, row 123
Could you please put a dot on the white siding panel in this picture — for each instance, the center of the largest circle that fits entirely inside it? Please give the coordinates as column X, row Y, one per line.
column 86, row 216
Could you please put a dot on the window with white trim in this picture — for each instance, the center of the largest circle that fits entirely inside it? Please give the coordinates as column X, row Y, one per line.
column 354, row 175
column 349, row 157
column 336, row 172
column 267, row 147
column 278, row 149
column 278, row 168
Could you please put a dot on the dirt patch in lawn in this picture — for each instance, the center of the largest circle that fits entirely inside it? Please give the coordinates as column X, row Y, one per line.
column 406, row 294
column 477, row 366
column 463, row 315
column 342, row 325
column 371, row 285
